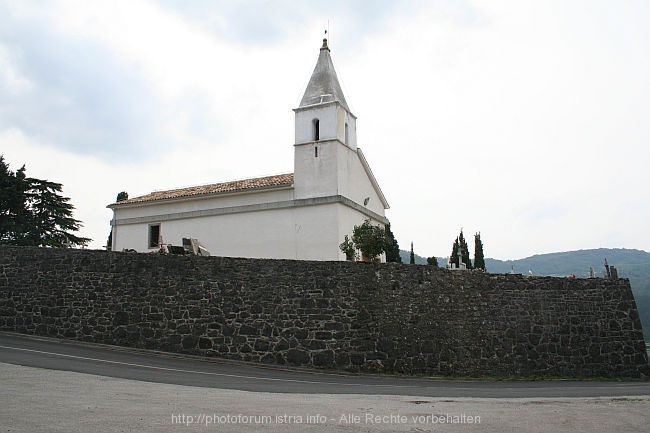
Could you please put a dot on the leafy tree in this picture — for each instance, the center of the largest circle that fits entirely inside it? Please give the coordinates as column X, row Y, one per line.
column 391, row 247
column 479, row 260
column 412, row 260
column 369, row 239
column 33, row 212
column 347, row 246
column 432, row 261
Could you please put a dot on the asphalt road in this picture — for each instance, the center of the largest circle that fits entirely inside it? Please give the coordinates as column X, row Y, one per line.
column 149, row 366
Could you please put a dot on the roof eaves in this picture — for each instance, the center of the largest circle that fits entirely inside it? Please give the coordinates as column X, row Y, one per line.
column 189, row 196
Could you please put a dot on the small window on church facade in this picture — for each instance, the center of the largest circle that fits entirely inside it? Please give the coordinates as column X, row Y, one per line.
column 154, row 235
column 346, row 135
column 316, row 129
column 316, row 151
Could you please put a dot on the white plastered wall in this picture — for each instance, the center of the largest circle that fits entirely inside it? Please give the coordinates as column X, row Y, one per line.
column 315, row 174
column 328, row 122
column 306, row 233
column 354, row 183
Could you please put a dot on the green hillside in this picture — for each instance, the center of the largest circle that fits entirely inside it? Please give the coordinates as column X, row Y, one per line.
column 406, row 257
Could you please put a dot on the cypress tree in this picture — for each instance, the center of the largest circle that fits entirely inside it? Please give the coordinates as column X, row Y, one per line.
column 479, row 260
column 462, row 244
column 453, row 258
column 391, row 247
column 412, row 261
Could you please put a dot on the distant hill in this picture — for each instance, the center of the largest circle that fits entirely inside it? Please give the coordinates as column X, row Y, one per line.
column 629, row 263
column 632, row 264
column 419, row 260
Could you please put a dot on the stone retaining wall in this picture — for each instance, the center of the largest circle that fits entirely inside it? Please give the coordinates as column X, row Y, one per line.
column 336, row 315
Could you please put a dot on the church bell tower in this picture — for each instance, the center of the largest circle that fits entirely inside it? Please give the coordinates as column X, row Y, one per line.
column 324, row 129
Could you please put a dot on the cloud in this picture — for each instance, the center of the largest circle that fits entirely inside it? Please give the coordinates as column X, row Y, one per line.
column 520, row 105
column 269, row 22
column 75, row 95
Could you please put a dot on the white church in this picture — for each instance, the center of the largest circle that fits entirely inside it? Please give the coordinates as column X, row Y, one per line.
column 303, row 215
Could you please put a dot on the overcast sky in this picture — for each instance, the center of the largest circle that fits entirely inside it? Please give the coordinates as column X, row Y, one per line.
column 528, row 121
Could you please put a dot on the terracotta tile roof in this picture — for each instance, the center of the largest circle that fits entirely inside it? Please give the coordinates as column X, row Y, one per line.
column 215, row 188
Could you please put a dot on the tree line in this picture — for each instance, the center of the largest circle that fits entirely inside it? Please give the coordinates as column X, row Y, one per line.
column 460, row 253
column 373, row 240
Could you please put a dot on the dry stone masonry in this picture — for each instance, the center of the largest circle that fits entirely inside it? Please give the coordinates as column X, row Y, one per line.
column 392, row 318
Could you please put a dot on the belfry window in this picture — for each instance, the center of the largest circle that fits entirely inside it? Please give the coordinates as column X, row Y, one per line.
column 316, row 134
column 346, row 135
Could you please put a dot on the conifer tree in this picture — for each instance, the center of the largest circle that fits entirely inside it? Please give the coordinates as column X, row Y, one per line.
column 412, row 261
column 14, row 214
column 392, row 247
column 32, row 212
column 460, row 245
column 453, row 258
column 479, row 260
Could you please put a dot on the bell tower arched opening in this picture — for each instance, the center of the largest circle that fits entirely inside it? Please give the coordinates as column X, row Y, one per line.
column 316, row 129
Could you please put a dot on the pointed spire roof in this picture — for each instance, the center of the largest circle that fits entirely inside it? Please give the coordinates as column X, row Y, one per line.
column 323, row 85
